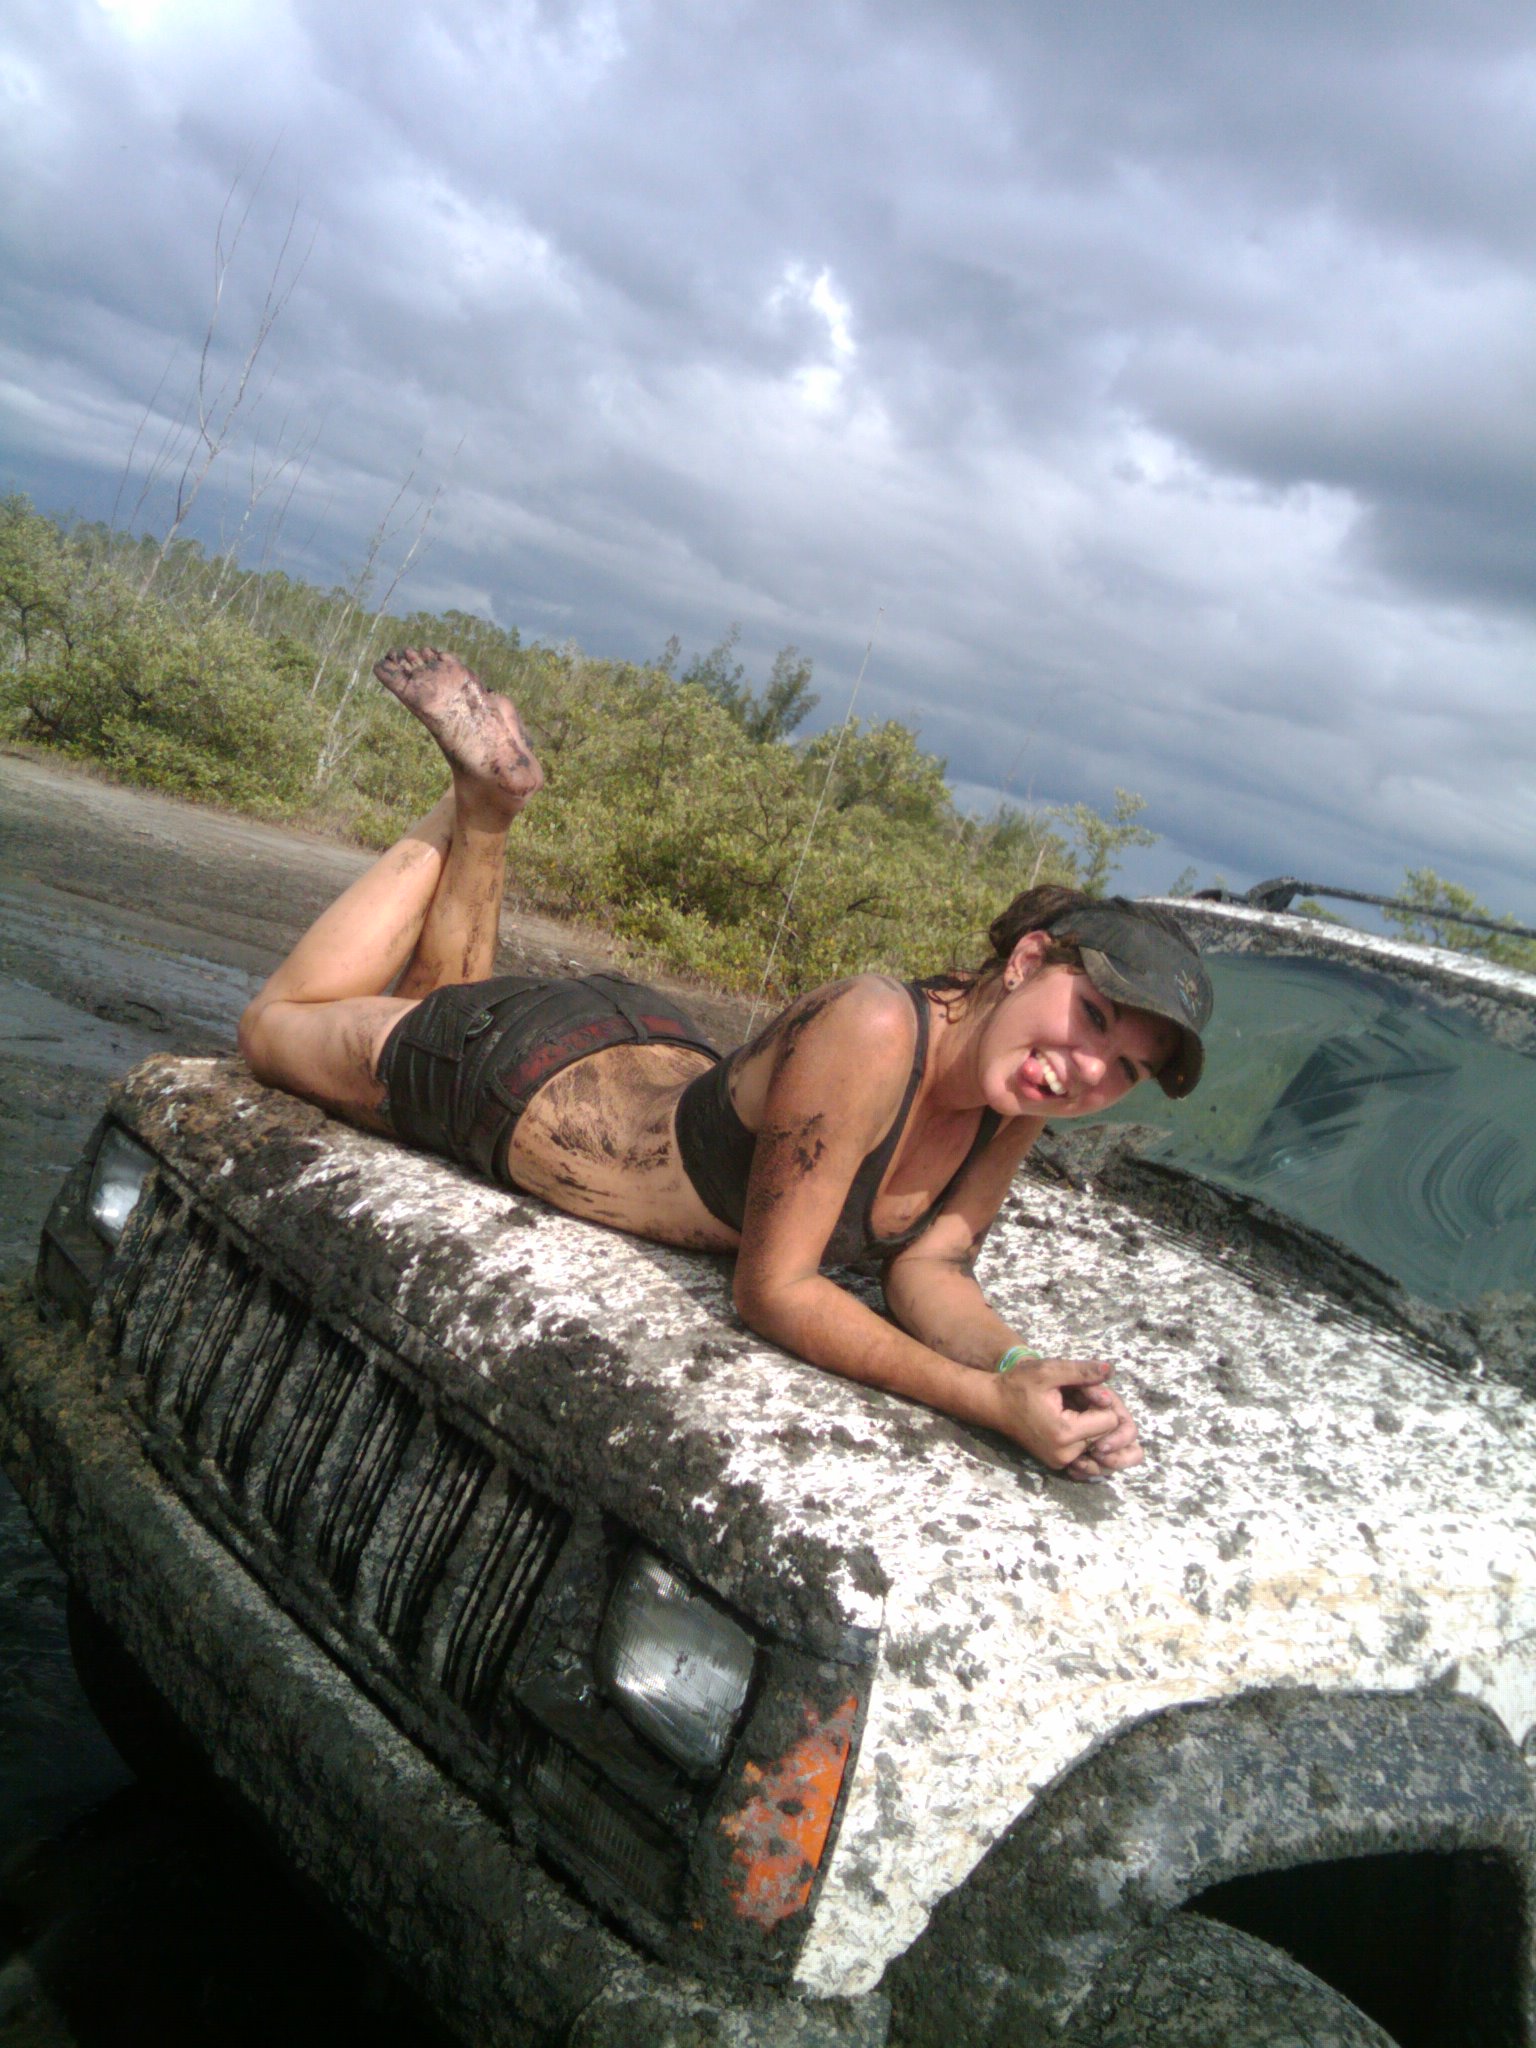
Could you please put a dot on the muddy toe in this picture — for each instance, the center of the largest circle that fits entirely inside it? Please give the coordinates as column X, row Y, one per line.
column 424, row 678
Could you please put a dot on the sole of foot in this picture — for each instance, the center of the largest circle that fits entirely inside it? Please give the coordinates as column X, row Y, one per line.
column 480, row 734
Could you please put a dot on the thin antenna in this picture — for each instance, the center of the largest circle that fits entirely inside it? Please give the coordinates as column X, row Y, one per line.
column 810, row 832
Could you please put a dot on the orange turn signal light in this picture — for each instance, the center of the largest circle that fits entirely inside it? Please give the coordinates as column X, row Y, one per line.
column 781, row 1831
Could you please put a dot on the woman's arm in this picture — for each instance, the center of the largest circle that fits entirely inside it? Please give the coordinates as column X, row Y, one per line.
column 836, row 1084
column 931, row 1290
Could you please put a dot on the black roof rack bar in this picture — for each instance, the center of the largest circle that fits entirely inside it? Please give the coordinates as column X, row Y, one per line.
column 1278, row 895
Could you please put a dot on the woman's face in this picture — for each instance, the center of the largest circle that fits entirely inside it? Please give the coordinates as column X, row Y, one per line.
column 1054, row 1046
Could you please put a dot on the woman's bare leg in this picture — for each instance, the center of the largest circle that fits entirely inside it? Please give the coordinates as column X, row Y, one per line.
column 426, row 912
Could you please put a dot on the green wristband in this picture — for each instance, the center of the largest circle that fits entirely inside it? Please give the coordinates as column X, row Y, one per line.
column 1013, row 1355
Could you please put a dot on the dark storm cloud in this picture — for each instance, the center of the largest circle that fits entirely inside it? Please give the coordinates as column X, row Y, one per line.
column 1164, row 373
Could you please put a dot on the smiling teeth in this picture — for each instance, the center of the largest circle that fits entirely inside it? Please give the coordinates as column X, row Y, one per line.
column 1053, row 1080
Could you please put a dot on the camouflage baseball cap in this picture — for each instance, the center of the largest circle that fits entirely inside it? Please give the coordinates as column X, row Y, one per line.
column 1136, row 961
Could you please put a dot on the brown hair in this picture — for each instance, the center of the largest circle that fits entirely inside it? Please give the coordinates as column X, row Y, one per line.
column 1036, row 910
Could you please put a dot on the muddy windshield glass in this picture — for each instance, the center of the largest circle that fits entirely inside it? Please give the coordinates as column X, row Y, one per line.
column 1392, row 1121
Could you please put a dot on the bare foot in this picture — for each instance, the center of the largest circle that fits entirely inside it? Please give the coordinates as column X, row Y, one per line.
column 481, row 734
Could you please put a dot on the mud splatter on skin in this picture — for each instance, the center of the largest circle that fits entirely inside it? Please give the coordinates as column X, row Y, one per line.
column 789, row 1029
column 587, row 1119
column 649, row 1155
column 808, row 1158
column 613, row 1105
column 597, row 1140
column 372, row 1110
column 566, row 1138
column 786, row 1155
column 586, row 1083
column 479, row 945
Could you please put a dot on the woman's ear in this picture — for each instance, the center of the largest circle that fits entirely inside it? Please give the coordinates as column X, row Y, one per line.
column 1025, row 958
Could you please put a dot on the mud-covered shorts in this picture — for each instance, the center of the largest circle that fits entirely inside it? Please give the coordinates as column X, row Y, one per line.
column 459, row 1070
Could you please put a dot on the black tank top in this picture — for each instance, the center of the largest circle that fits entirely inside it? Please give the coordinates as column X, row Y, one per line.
column 716, row 1150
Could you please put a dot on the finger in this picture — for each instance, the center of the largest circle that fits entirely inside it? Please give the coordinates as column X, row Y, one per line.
column 1077, row 1432
column 1116, row 1439
column 1070, row 1372
column 1120, row 1459
column 1100, row 1464
column 1083, row 1469
column 1079, row 1398
column 1117, row 1451
column 1113, row 1446
column 1088, row 1425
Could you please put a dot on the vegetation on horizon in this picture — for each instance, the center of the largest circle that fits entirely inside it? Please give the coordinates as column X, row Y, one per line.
column 1433, row 916
column 678, row 807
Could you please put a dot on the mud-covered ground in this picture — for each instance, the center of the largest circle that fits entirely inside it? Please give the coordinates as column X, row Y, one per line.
column 130, row 924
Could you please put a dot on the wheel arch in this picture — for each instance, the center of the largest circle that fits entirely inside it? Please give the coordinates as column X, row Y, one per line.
column 1194, row 1798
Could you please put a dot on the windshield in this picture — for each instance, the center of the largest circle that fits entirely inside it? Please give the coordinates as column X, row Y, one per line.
column 1365, row 1109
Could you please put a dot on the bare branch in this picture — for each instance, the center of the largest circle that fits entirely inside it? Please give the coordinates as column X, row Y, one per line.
column 211, row 409
column 342, row 736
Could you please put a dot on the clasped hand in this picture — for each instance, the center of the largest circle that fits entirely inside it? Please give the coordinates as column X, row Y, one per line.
column 1061, row 1411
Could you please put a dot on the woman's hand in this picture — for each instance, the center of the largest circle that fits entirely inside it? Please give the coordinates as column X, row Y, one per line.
column 1061, row 1411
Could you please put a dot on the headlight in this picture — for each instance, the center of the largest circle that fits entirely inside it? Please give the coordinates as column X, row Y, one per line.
column 117, row 1181
column 677, row 1665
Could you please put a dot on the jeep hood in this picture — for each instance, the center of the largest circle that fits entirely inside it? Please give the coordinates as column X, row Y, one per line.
column 1323, row 1504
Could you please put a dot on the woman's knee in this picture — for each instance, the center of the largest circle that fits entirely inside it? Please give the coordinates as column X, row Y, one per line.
column 326, row 1052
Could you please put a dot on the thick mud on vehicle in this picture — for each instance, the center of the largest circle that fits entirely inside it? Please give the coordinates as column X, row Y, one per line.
column 629, row 1683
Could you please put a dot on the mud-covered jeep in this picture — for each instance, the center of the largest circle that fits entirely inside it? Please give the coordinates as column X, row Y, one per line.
column 630, row 1683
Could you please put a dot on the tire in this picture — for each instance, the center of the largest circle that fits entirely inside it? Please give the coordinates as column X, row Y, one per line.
column 1194, row 1983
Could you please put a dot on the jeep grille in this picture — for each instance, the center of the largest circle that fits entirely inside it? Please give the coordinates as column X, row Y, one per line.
column 410, row 1546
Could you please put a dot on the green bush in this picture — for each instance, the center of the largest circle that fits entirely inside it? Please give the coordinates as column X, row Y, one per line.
column 35, row 579
column 194, row 702
column 1432, row 913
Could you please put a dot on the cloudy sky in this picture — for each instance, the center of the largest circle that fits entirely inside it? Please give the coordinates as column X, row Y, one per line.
column 1162, row 377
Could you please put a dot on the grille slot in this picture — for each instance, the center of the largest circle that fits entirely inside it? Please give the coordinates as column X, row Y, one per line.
column 445, row 1497
column 274, row 1325
column 174, row 1268
column 310, row 1427
column 215, row 1338
column 514, row 1553
column 360, row 1484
